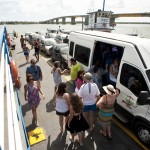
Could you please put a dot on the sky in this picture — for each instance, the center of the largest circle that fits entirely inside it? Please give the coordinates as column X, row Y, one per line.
column 41, row 10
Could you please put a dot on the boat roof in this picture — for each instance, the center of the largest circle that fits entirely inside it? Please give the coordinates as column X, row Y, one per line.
column 101, row 11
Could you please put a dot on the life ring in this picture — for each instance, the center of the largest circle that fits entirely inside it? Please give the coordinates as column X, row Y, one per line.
column 15, row 74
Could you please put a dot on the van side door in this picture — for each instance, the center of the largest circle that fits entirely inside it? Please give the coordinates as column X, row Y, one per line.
column 131, row 83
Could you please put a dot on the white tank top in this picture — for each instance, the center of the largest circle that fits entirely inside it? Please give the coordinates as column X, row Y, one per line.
column 112, row 77
column 57, row 77
column 61, row 105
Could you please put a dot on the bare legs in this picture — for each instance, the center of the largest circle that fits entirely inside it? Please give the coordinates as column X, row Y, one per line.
column 106, row 131
column 61, row 121
column 80, row 136
column 61, row 118
column 34, row 112
column 109, row 131
column 27, row 58
column 91, row 119
column 37, row 57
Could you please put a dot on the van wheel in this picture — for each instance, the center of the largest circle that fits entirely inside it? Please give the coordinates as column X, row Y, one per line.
column 143, row 132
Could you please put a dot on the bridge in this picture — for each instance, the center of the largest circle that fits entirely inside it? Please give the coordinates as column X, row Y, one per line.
column 62, row 19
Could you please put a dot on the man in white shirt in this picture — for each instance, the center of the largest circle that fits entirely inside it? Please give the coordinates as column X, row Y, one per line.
column 89, row 93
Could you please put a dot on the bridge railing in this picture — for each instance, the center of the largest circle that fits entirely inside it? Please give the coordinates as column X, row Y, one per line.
column 12, row 129
column 98, row 26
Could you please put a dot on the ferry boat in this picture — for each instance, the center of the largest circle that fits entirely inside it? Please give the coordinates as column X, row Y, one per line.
column 100, row 20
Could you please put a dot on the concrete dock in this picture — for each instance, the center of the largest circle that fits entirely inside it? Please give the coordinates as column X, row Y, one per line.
column 48, row 119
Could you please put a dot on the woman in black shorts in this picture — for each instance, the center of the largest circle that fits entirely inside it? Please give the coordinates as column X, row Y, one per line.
column 62, row 104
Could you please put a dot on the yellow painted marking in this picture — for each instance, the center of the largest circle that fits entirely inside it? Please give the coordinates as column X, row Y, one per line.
column 37, row 135
column 67, row 77
column 129, row 133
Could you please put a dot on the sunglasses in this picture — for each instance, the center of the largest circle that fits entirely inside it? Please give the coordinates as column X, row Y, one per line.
column 31, row 79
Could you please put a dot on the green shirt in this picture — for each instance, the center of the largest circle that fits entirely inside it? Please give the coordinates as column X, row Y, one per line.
column 74, row 71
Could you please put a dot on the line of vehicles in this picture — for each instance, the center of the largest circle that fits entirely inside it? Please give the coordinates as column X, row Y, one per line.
column 53, row 44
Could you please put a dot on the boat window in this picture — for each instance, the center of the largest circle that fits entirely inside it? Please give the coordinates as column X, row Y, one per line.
column 82, row 54
column 71, row 48
column 133, row 79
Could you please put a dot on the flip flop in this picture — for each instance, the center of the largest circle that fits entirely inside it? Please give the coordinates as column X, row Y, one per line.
column 101, row 132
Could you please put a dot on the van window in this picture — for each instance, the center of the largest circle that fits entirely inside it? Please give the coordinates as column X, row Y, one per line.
column 82, row 54
column 148, row 74
column 106, row 53
column 133, row 79
column 71, row 48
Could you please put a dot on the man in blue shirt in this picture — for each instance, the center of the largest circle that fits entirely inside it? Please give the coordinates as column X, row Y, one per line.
column 35, row 71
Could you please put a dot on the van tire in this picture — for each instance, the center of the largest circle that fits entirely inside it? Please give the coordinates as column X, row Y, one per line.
column 143, row 132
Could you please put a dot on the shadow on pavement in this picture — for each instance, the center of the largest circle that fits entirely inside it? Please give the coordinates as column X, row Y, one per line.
column 50, row 106
column 30, row 127
column 58, row 143
column 22, row 65
column 25, row 108
column 19, row 52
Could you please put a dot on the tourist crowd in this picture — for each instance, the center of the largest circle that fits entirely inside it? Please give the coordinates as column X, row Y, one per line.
column 76, row 110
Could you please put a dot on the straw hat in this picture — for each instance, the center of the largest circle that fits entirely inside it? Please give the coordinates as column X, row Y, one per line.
column 87, row 77
column 109, row 89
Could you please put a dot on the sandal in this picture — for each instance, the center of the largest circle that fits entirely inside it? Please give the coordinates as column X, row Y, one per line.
column 77, row 140
column 109, row 137
column 70, row 138
column 37, row 124
column 101, row 132
column 91, row 129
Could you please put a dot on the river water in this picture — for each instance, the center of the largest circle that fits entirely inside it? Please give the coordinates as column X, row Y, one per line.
column 143, row 30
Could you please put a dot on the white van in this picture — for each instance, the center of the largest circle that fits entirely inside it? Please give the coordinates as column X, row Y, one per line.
column 133, row 104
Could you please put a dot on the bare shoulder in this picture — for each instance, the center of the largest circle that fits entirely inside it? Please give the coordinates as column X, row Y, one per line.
column 66, row 95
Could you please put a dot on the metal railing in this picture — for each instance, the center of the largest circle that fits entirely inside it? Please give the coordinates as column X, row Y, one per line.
column 13, row 134
column 99, row 26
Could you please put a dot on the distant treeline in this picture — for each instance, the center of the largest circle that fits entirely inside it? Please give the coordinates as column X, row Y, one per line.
column 132, row 22
column 33, row 22
column 42, row 22
column 18, row 22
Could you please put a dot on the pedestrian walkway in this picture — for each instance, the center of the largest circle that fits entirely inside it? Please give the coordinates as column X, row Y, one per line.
column 48, row 119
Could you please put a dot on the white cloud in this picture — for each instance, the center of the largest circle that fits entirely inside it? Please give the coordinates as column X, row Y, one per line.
column 38, row 10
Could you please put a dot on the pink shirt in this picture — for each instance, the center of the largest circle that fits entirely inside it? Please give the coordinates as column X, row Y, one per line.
column 79, row 82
